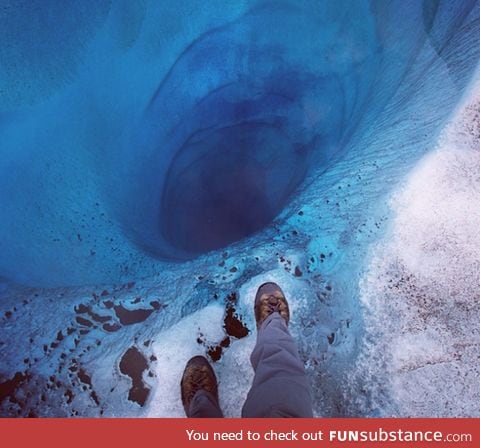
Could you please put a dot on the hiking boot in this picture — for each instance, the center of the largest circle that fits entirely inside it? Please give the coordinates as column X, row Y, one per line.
column 270, row 298
column 198, row 375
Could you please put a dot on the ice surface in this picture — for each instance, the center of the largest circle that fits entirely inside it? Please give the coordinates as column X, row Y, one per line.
column 420, row 293
column 363, row 118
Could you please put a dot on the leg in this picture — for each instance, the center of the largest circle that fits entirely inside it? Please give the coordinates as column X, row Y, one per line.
column 280, row 387
column 204, row 405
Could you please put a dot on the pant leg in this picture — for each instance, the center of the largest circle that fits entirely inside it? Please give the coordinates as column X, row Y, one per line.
column 280, row 387
column 203, row 405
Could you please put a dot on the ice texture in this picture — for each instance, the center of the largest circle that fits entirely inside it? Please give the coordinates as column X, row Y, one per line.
column 161, row 160
column 421, row 289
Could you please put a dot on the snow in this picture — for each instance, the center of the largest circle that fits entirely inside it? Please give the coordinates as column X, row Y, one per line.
column 420, row 293
column 375, row 242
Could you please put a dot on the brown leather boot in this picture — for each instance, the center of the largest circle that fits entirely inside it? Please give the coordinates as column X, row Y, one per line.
column 270, row 298
column 198, row 375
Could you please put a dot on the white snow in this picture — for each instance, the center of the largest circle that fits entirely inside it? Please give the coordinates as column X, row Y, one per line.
column 421, row 292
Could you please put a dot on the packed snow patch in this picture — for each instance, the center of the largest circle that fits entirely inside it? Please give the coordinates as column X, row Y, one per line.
column 421, row 291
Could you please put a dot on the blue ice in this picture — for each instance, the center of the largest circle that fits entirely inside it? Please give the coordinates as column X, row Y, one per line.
column 179, row 152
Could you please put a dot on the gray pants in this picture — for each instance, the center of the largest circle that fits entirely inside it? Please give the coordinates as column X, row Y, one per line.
column 280, row 387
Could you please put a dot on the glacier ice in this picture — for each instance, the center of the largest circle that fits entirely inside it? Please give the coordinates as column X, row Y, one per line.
column 159, row 159
column 420, row 290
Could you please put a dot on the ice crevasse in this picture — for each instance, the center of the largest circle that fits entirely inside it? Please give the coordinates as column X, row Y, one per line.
column 159, row 161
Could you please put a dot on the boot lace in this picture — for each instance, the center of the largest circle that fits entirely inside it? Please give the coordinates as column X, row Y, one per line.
column 273, row 304
column 200, row 381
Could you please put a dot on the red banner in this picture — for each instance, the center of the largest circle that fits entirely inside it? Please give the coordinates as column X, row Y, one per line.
column 244, row 433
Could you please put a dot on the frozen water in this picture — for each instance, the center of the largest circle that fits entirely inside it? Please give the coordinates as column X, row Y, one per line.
column 420, row 291
column 346, row 148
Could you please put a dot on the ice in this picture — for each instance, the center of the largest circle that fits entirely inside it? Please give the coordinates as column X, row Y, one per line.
column 420, row 292
column 345, row 146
